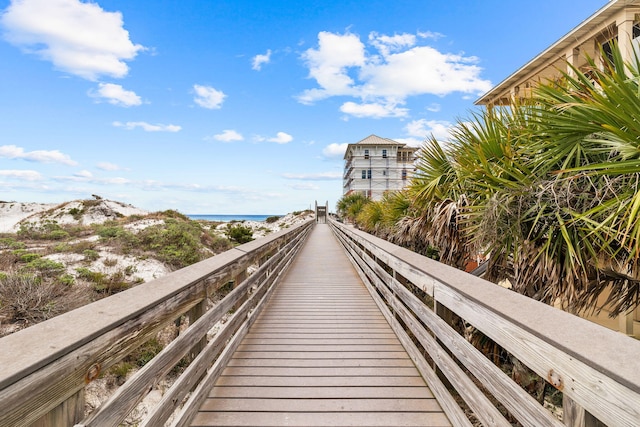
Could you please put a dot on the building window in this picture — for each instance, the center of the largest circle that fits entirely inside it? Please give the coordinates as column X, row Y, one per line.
column 607, row 50
column 384, row 173
column 364, row 174
column 368, row 173
column 384, row 154
column 366, row 154
column 404, row 174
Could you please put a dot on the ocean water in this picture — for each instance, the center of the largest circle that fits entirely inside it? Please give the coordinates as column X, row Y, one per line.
column 228, row 218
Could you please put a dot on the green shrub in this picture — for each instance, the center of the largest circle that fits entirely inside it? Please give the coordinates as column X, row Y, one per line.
column 90, row 255
column 81, row 246
column 171, row 213
column 45, row 266
column 67, row 280
column 118, row 237
column 28, row 257
column 102, row 282
column 62, row 247
column 120, row 371
column 113, row 284
column 239, row 233
column 219, row 244
column 57, row 235
column 147, row 351
column 89, row 275
column 75, row 213
column 176, row 242
column 272, row 219
column 11, row 243
column 46, row 230
column 110, row 232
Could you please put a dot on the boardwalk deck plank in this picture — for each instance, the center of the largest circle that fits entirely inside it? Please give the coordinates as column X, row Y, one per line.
column 321, row 354
column 322, row 392
column 313, row 404
column 313, row 419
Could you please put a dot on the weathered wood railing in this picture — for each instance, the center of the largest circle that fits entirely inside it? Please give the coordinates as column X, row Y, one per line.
column 597, row 370
column 44, row 368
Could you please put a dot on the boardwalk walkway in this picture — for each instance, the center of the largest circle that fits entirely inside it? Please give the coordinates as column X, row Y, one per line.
column 321, row 354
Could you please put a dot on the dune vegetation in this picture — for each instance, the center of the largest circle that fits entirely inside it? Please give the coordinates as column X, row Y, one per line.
column 546, row 190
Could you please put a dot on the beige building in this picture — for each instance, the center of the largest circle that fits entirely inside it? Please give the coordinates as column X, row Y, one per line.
column 618, row 20
column 375, row 165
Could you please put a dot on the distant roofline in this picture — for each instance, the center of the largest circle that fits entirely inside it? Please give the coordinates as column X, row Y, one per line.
column 559, row 47
column 379, row 141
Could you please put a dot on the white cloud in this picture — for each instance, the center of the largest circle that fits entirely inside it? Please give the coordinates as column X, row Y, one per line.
column 148, row 127
column 77, row 37
column 322, row 176
column 83, row 174
column 40, row 156
column 333, row 151
column 306, row 186
column 281, row 138
column 116, row 95
column 441, row 130
column 373, row 110
column 385, row 73
column 329, row 64
column 387, row 44
column 228, row 135
column 90, row 179
column 27, row 175
column 259, row 60
column 430, row 35
column 208, row 97
column 106, row 166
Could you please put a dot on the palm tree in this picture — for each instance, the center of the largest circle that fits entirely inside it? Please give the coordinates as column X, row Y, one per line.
column 350, row 205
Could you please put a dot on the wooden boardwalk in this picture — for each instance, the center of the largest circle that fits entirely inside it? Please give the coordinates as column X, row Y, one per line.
column 321, row 354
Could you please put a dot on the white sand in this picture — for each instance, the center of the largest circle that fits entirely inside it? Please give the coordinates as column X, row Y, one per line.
column 11, row 213
column 93, row 212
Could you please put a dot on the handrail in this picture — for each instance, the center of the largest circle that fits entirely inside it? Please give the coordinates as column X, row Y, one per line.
column 44, row 368
column 595, row 368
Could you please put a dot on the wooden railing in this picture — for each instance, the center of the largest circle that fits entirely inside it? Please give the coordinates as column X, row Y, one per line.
column 597, row 370
column 44, row 369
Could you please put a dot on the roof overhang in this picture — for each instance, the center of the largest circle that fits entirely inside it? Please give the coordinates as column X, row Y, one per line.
column 588, row 28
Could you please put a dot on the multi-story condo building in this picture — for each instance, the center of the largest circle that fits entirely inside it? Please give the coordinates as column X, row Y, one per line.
column 375, row 165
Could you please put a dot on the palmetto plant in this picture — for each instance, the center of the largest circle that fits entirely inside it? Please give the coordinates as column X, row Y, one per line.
column 349, row 206
column 547, row 188
column 593, row 120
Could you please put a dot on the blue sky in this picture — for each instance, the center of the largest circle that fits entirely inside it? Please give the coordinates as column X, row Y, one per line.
column 240, row 106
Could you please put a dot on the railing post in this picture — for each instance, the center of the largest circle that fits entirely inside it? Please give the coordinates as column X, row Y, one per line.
column 574, row 415
column 625, row 323
column 236, row 281
column 447, row 315
column 194, row 314
column 68, row 413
